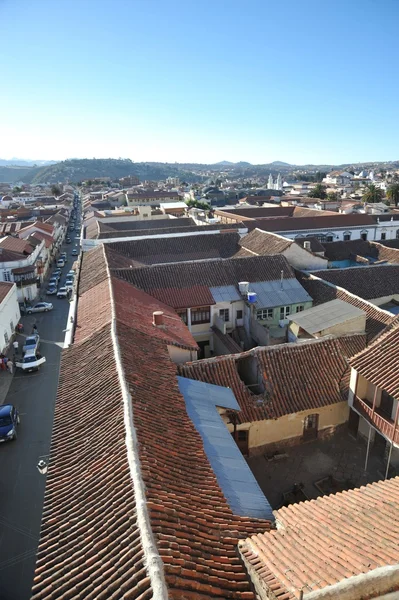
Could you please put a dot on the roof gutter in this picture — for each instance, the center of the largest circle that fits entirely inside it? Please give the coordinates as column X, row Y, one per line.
column 153, row 561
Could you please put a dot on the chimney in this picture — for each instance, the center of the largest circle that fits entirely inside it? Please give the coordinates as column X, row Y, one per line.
column 306, row 245
column 281, row 280
column 157, row 318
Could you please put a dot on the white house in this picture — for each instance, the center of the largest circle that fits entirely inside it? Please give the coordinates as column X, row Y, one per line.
column 9, row 313
column 20, row 262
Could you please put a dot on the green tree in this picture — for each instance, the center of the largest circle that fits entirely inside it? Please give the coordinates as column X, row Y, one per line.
column 393, row 193
column 332, row 196
column 319, row 191
column 56, row 190
column 197, row 204
column 16, row 190
column 372, row 194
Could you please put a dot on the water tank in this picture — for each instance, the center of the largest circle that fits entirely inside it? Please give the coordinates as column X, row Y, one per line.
column 243, row 287
column 252, row 297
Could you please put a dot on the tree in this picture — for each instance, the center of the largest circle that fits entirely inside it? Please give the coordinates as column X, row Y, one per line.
column 332, row 196
column 16, row 190
column 372, row 194
column 319, row 191
column 393, row 193
column 56, row 190
column 197, row 204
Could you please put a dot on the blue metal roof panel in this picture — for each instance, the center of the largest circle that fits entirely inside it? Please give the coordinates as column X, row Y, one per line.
column 225, row 293
column 271, row 293
column 234, row 476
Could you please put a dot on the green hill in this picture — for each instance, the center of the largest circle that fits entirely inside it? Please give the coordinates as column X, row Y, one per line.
column 14, row 174
column 75, row 170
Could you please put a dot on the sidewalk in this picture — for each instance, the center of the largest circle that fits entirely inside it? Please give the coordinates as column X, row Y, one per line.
column 5, row 376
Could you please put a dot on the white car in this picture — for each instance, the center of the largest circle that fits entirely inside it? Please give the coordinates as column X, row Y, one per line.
column 62, row 292
column 39, row 307
column 60, row 263
column 31, row 361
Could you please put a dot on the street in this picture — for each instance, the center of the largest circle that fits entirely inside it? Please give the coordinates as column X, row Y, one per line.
column 21, row 484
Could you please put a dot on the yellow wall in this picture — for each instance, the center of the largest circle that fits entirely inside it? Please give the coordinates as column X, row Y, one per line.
column 266, row 432
column 181, row 355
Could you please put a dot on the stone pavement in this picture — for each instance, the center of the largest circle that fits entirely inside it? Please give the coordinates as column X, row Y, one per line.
column 341, row 456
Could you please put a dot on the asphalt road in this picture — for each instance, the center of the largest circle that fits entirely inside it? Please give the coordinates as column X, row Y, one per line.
column 21, row 484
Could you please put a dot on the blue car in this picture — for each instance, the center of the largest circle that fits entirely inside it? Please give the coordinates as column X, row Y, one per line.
column 9, row 419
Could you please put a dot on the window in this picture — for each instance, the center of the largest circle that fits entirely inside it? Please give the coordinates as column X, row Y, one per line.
column 329, row 237
column 224, row 314
column 200, row 315
column 12, row 326
column 265, row 314
column 347, row 236
column 242, row 435
column 284, row 312
column 363, row 235
column 397, row 234
column 6, row 338
column 183, row 315
column 383, row 236
column 7, row 276
column 299, row 308
column 239, row 314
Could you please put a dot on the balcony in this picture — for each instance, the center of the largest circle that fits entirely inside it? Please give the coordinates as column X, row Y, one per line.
column 378, row 419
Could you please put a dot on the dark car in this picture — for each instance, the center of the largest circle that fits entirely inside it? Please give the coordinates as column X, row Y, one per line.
column 68, row 240
column 9, row 419
column 51, row 290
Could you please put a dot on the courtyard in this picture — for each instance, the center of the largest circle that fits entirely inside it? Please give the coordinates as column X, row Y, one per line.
column 329, row 466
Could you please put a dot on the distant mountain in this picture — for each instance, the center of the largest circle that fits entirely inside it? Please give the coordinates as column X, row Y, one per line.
column 18, row 162
column 75, row 170
column 224, row 162
column 16, row 174
column 279, row 163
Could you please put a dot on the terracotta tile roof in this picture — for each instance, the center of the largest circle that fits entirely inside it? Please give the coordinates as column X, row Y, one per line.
column 324, row 541
column 315, row 245
column 15, row 244
column 256, row 212
column 92, row 271
column 171, row 230
column 313, row 222
column 322, row 291
column 5, row 287
column 48, row 239
column 366, row 282
column 349, row 249
column 91, row 228
column 178, row 249
column 145, row 224
column 378, row 363
column 131, row 500
column 263, row 243
column 296, row 377
column 181, row 276
column 188, row 297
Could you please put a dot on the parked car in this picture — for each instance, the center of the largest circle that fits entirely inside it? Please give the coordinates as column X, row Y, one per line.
column 39, row 307
column 62, row 292
column 58, row 271
column 51, row 290
column 54, row 279
column 9, row 419
column 71, row 273
column 75, row 252
column 31, row 342
column 31, row 361
column 60, row 263
column 63, row 255
column 68, row 240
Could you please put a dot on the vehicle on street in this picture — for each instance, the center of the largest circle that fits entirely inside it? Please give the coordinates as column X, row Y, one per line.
column 71, row 273
column 31, row 361
column 57, row 271
column 60, row 263
column 54, row 279
column 39, row 307
column 62, row 292
column 32, row 342
column 75, row 252
column 9, row 419
column 51, row 290
column 63, row 255
column 68, row 240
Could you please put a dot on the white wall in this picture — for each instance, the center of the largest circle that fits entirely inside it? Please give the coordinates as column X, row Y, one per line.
column 9, row 317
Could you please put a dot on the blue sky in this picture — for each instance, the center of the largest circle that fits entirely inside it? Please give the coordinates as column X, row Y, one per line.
column 186, row 81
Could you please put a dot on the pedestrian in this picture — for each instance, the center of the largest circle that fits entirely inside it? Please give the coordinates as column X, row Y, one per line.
column 34, row 329
column 5, row 361
column 10, row 366
column 15, row 346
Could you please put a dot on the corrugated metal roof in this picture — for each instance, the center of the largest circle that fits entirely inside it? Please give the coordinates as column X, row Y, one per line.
column 235, row 478
column 277, row 293
column 225, row 293
column 326, row 315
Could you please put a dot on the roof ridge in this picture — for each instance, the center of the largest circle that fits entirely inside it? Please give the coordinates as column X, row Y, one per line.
column 153, row 560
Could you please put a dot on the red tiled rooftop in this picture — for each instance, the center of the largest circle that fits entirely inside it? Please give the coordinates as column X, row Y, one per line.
column 15, row 244
column 324, row 541
column 297, row 377
column 5, row 287
column 378, row 363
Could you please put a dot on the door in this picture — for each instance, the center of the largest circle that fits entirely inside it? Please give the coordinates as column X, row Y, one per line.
column 353, row 423
column 386, row 405
column 310, row 427
column 242, row 440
